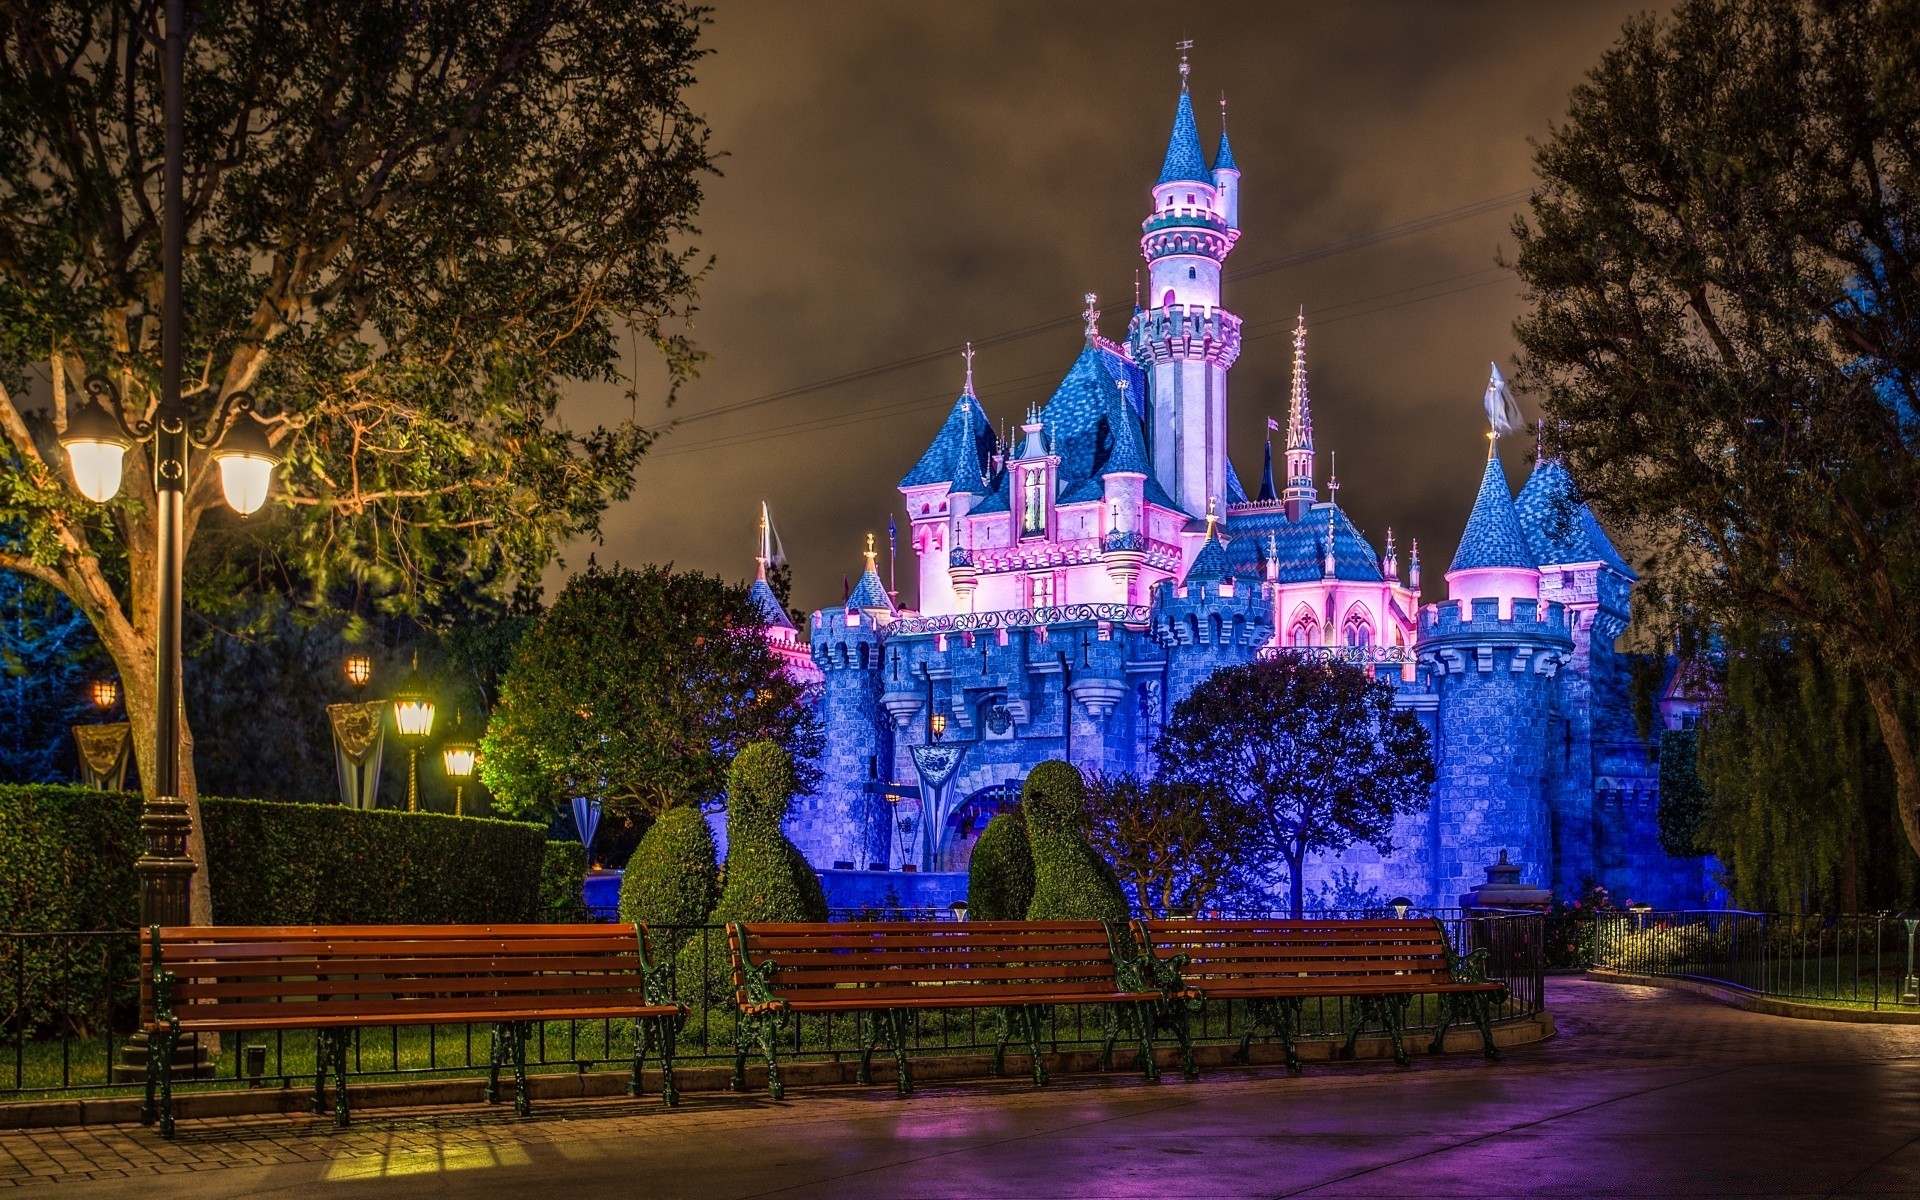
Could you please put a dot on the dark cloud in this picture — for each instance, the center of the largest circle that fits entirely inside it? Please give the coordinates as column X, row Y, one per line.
column 903, row 177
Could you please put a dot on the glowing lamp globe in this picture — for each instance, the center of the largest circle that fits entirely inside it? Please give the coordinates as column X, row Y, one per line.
column 246, row 461
column 359, row 669
column 105, row 692
column 96, row 449
column 460, row 758
column 413, row 715
column 939, row 723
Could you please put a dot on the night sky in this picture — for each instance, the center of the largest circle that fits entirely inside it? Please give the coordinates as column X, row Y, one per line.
column 900, row 178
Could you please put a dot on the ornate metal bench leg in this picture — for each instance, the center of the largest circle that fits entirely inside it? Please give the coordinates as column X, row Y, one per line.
column 1110, row 1028
column 496, row 1045
column 1446, row 1014
column 769, row 1036
column 866, row 1034
column 900, row 1026
column 341, row 1117
column 1483, row 1017
column 1183, row 1033
column 737, row 1082
column 1033, row 1038
column 1000, row 1043
column 669, row 1030
column 1394, row 1011
column 1357, row 1020
column 522, row 1103
column 1143, row 1026
column 164, row 1045
column 148, row 1110
column 1287, row 1015
column 642, row 1034
column 320, row 1046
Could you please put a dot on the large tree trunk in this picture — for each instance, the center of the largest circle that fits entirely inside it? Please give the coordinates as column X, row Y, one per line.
column 1297, row 885
column 1906, row 770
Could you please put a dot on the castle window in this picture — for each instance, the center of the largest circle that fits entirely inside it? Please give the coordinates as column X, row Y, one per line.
column 1358, row 630
column 1040, row 590
column 1033, row 509
column 1192, row 273
column 1189, row 197
column 1305, row 633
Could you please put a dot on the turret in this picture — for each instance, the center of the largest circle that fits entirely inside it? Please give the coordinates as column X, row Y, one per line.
column 846, row 822
column 1183, row 339
column 1494, row 560
column 1226, row 174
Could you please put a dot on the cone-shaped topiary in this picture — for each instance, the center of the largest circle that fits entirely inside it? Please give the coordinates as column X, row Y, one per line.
column 767, row 879
column 673, row 879
column 1070, row 881
column 1000, row 874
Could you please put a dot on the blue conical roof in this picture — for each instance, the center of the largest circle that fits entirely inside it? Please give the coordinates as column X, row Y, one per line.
column 960, row 451
column 768, row 605
column 1223, row 157
column 1494, row 536
column 1185, row 162
column 1267, row 490
column 870, row 592
column 1560, row 527
column 1211, row 564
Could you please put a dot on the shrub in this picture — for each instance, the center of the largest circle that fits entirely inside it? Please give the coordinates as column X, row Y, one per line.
column 1000, row 875
column 767, row 879
column 1683, row 801
column 673, row 879
column 563, row 881
column 1070, row 881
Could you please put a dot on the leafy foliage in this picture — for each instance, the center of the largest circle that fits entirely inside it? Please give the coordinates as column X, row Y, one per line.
column 1724, row 274
column 1000, row 873
column 1683, row 802
column 1177, row 844
column 767, row 879
column 1315, row 753
column 1801, row 792
column 1071, row 882
column 47, row 658
column 673, row 879
column 563, row 880
column 638, row 687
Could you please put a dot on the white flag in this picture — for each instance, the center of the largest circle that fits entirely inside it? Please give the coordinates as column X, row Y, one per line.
column 770, row 547
column 1503, row 415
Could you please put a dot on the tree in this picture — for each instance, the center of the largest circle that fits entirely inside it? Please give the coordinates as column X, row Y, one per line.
column 1177, row 844
column 46, row 659
column 408, row 227
column 638, row 688
column 1723, row 266
column 1071, row 882
column 1801, row 809
column 1315, row 751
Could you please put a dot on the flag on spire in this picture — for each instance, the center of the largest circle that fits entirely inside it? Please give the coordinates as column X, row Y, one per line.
column 1503, row 415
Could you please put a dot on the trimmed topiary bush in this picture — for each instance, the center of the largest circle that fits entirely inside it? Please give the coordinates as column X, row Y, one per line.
column 1070, row 881
column 673, row 879
column 767, row 879
column 1000, row 874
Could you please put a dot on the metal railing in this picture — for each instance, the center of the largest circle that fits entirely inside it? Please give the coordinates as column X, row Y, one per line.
column 68, row 1009
column 1855, row 960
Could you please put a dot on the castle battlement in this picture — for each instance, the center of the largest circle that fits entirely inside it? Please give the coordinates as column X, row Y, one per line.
column 1489, row 616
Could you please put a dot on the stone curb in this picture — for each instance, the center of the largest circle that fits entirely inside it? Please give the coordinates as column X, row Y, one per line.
column 1753, row 1002
column 123, row 1110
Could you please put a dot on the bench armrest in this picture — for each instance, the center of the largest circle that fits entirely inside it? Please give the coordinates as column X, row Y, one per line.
column 1470, row 967
column 1138, row 967
column 756, row 979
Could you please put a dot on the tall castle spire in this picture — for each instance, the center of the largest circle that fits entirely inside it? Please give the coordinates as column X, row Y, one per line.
column 1301, row 492
column 1182, row 338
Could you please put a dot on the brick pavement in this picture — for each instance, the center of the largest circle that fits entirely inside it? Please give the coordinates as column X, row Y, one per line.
column 1620, row 1048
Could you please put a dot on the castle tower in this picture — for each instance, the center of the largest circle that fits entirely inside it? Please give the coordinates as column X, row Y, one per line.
column 1494, row 652
column 1183, row 339
column 847, row 821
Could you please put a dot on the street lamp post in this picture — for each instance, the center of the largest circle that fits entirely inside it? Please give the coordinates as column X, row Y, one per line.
column 96, row 443
column 413, row 717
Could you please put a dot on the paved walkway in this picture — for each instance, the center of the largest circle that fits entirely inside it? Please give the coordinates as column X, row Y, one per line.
column 1644, row 1093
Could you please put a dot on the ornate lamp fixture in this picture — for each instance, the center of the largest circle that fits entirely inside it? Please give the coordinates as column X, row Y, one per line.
column 413, row 718
column 938, row 724
column 98, row 438
column 106, row 693
column 359, row 668
column 459, row 757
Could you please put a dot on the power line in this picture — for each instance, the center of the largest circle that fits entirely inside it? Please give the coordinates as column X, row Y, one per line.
column 1365, row 306
column 1297, row 258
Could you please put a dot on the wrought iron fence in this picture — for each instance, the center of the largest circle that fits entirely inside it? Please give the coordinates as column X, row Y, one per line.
column 1855, row 960
column 68, row 1009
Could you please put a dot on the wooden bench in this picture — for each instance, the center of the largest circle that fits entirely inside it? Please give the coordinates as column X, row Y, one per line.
column 1376, row 966
column 881, row 972
column 336, row 979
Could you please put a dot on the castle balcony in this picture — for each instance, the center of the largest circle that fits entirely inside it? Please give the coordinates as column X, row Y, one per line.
column 1039, row 555
column 1185, row 332
column 1135, row 616
column 1186, row 216
column 1356, row 656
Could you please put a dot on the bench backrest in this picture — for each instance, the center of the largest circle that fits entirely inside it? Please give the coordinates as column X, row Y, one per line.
column 1306, row 953
column 364, row 972
column 901, row 960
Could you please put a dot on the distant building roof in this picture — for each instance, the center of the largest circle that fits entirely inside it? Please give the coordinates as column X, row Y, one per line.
column 1494, row 536
column 960, row 452
column 1301, row 546
column 1211, row 564
column 1095, row 430
column 870, row 592
column 772, row 612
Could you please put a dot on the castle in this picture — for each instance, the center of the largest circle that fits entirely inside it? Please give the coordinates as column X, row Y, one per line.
column 1079, row 579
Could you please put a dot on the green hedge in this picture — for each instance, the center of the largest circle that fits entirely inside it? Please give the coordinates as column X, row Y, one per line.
column 563, row 880
column 67, row 854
